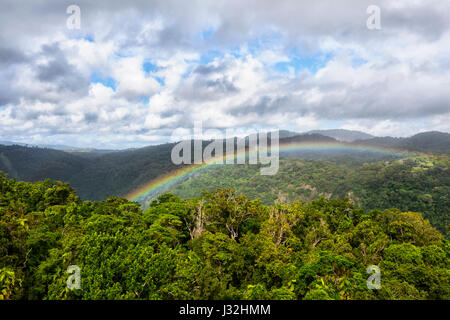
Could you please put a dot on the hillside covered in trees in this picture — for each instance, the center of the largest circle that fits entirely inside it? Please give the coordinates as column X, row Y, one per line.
column 420, row 184
column 218, row 245
column 99, row 174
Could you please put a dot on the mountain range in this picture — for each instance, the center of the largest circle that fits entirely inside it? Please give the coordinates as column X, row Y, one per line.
column 98, row 174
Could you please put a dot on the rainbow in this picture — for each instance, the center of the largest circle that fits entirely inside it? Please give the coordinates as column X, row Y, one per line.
column 171, row 178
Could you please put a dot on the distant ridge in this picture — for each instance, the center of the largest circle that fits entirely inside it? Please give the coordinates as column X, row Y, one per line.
column 97, row 174
column 343, row 134
column 287, row 134
column 428, row 142
column 60, row 147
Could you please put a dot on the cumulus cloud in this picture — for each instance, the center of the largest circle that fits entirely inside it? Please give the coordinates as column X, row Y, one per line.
column 137, row 71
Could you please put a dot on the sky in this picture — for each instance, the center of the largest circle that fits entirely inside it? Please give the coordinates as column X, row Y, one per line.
column 139, row 73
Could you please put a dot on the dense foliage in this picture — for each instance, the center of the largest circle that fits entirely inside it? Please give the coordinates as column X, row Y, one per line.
column 220, row 245
column 96, row 176
column 420, row 184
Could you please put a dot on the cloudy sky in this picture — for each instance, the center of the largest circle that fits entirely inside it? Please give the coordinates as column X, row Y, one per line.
column 138, row 71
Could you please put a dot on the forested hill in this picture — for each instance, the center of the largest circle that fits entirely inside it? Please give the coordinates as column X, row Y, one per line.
column 99, row 174
column 420, row 184
column 34, row 164
column 218, row 246
column 343, row 135
column 95, row 176
column 427, row 142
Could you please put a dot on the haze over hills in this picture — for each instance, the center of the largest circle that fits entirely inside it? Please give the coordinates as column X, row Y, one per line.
column 61, row 147
column 99, row 174
column 433, row 142
column 338, row 134
column 343, row 135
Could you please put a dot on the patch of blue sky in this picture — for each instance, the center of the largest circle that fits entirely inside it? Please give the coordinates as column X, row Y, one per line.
column 97, row 77
column 145, row 99
column 205, row 58
column 81, row 36
column 266, row 39
column 299, row 62
column 149, row 67
column 160, row 80
column 207, row 33
column 89, row 38
column 210, row 55
column 254, row 46
column 120, row 55
column 203, row 35
column 236, row 52
column 188, row 71
column 358, row 61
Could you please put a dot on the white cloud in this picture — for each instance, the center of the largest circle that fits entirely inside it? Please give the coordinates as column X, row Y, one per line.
column 220, row 67
column 132, row 80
